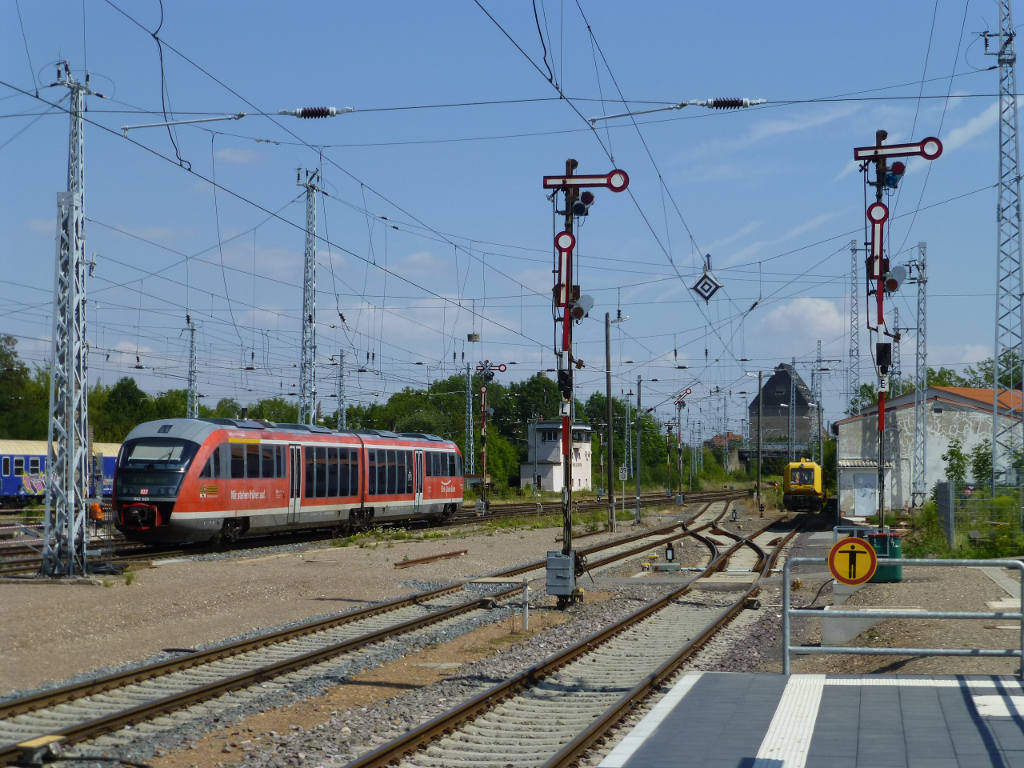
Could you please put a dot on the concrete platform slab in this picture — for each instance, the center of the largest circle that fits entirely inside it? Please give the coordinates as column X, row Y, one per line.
column 804, row 721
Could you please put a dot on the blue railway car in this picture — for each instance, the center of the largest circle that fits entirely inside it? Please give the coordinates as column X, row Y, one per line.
column 23, row 469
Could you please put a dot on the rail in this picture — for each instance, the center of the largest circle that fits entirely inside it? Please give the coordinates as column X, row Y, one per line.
column 788, row 612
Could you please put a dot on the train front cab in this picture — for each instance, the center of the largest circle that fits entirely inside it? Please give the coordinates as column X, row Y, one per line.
column 801, row 488
column 147, row 479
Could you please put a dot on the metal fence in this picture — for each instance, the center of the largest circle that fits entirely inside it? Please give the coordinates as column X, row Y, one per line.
column 972, row 517
column 788, row 612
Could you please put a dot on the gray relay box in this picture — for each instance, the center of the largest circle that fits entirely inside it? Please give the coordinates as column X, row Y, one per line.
column 561, row 573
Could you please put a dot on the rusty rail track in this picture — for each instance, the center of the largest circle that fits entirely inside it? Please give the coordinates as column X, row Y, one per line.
column 90, row 727
column 487, row 701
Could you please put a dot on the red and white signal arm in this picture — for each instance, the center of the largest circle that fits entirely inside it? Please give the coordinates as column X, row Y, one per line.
column 929, row 149
column 616, row 180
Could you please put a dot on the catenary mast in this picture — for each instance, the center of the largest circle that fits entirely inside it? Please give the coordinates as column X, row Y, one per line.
column 67, row 467
column 1007, row 426
column 307, row 363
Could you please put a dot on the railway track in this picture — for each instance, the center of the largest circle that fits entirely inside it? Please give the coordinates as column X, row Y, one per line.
column 552, row 713
column 87, row 710
column 22, row 558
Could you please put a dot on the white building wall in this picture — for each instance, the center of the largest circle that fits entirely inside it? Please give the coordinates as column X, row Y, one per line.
column 858, row 439
column 545, row 458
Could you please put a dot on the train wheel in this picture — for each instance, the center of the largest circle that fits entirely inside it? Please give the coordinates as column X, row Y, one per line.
column 230, row 532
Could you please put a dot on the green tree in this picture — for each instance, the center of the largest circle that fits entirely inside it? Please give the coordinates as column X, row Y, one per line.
column 227, row 408
column 172, row 404
column 274, row 409
column 14, row 383
column 982, row 375
column 981, row 462
column 945, row 377
column 956, row 463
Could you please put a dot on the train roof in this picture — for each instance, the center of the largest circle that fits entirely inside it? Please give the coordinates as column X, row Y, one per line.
column 39, row 448
column 197, row 430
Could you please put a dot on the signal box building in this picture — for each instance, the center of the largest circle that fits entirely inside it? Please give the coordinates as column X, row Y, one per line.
column 543, row 467
column 953, row 413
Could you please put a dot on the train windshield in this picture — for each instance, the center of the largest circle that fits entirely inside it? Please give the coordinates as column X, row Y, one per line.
column 153, row 466
column 149, row 453
column 802, row 477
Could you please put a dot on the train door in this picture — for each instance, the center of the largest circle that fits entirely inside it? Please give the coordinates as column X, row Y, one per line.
column 294, row 482
column 419, row 481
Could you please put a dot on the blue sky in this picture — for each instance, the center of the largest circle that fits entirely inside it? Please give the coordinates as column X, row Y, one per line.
column 434, row 211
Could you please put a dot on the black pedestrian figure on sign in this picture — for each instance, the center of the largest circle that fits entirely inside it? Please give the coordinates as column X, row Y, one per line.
column 852, row 554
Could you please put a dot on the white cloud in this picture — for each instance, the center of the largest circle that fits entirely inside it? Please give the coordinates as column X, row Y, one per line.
column 43, row 226
column 972, row 128
column 128, row 354
column 237, row 156
column 764, row 130
column 957, row 355
column 806, row 317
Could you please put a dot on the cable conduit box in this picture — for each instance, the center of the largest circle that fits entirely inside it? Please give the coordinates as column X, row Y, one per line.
column 561, row 573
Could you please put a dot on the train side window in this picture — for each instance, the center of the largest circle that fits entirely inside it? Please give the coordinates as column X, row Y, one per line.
column 353, row 472
column 267, row 453
column 404, row 472
column 307, row 490
column 332, row 471
column 252, row 461
column 237, row 460
column 451, row 465
column 321, row 471
column 33, row 465
column 6, row 470
column 458, row 465
column 208, row 466
column 392, row 474
column 382, row 471
column 344, row 465
column 19, row 466
column 371, row 468
column 428, row 463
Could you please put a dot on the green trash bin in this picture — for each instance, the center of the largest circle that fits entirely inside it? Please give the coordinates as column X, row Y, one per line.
column 888, row 548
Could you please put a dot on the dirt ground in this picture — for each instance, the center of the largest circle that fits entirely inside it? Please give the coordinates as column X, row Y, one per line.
column 228, row 747
column 87, row 624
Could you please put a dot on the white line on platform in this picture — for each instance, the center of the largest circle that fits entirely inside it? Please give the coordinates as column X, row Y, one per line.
column 789, row 735
column 625, row 748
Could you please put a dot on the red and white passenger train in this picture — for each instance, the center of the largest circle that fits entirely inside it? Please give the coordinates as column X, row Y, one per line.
column 193, row 480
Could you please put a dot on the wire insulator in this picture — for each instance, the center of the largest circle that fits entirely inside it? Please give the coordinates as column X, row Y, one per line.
column 316, row 112
column 728, row 103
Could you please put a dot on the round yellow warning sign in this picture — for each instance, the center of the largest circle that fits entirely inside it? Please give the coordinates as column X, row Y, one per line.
column 852, row 561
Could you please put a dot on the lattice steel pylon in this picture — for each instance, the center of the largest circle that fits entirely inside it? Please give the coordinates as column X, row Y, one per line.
column 307, row 362
column 192, row 406
column 816, row 388
column 68, row 452
column 853, row 368
column 791, row 425
column 1007, row 426
column 919, row 484
column 468, row 459
column 342, row 405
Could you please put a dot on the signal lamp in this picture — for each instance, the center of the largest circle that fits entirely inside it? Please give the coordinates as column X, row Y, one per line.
column 894, row 174
column 565, row 383
column 894, row 278
column 581, row 207
column 582, row 307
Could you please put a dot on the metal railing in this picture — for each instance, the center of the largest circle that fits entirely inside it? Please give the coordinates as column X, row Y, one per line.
column 788, row 612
